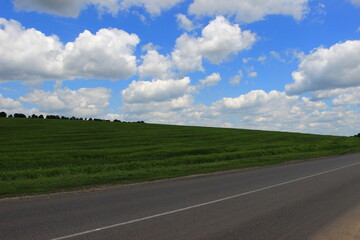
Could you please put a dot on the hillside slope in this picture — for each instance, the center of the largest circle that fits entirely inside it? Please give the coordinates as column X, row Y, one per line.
column 42, row 155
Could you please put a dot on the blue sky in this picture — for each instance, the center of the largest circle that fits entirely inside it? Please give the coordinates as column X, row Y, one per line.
column 287, row 65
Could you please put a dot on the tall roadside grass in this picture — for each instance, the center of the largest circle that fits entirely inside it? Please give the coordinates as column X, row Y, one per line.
column 42, row 155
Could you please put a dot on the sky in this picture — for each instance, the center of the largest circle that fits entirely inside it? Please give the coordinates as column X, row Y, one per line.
column 283, row 65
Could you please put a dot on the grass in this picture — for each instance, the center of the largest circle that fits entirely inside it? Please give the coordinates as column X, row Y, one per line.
column 38, row 155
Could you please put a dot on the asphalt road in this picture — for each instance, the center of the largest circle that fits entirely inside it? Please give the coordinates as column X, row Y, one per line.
column 291, row 201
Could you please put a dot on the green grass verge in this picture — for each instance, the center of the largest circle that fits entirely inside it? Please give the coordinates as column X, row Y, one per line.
column 38, row 155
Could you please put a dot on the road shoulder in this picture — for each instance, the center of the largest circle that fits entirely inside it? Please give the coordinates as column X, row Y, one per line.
column 346, row 227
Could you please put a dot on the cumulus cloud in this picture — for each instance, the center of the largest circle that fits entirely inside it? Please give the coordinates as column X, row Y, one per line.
column 184, row 22
column 347, row 98
column 82, row 102
column 156, row 65
column 257, row 109
column 150, row 46
column 27, row 54
column 328, row 68
column 9, row 104
column 157, row 96
column 30, row 55
column 107, row 54
column 72, row 8
column 249, row 10
column 171, row 104
column 235, row 80
column 326, row 94
column 310, row 105
column 257, row 101
column 210, row 80
column 188, row 115
column 277, row 111
column 157, row 90
column 219, row 40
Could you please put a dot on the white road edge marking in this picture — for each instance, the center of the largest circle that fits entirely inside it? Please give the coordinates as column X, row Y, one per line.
column 200, row 205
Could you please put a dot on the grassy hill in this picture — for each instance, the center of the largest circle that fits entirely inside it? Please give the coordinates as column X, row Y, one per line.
column 38, row 155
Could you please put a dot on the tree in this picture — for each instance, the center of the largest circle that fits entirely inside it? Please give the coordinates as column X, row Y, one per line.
column 52, row 117
column 19, row 115
column 3, row 114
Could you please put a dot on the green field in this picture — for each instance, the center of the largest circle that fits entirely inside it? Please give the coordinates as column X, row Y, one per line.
column 38, row 155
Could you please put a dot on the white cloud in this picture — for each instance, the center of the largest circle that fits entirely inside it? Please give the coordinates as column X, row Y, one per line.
column 262, row 58
column 257, row 101
column 210, row 80
column 72, row 8
column 310, row 105
column 355, row 2
column 324, row 94
column 157, row 96
column 348, row 98
column 184, row 22
column 156, row 90
column 27, row 54
column 30, row 55
column 107, row 54
column 113, row 116
column 235, row 80
column 156, row 65
column 82, row 102
column 277, row 56
column 277, row 111
column 186, row 56
column 219, row 40
column 188, row 115
column 259, row 59
column 171, row 104
column 246, row 60
column 249, row 10
column 154, row 7
column 252, row 74
column 150, row 46
column 9, row 104
column 257, row 109
column 328, row 68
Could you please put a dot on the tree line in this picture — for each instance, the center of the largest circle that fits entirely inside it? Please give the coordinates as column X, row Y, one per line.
column 21, row 115
column 357, row 135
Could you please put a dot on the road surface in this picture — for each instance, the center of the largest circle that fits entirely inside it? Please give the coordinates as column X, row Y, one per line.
column 290, row 201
